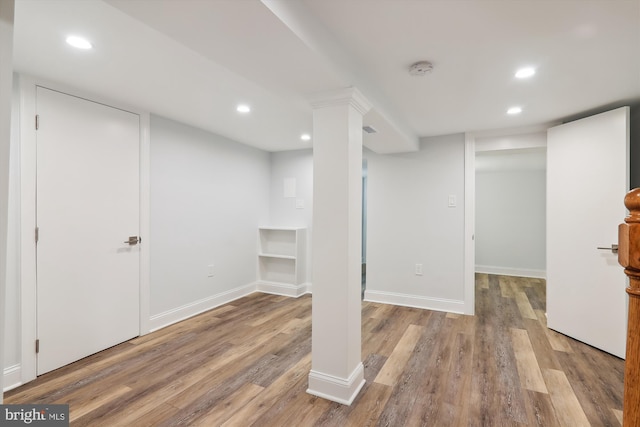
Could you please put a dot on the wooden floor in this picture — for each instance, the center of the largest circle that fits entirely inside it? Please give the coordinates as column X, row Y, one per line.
column 246, row 363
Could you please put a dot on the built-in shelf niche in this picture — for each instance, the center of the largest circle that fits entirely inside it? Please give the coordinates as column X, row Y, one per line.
column 282, row 260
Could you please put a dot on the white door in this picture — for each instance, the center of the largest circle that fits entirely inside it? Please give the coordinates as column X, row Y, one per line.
column 587, row 179
column 87, row 206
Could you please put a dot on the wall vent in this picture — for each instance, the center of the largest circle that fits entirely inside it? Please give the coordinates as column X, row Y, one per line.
column 369, row 129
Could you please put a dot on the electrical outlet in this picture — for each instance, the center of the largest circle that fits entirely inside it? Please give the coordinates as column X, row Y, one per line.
column 210, row 270
column 418, row 269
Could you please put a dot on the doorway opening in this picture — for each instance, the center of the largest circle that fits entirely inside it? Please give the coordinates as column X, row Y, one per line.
column 510, row 212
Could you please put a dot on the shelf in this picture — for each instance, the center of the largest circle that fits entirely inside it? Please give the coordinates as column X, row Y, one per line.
column 278, row 270
column 278, row 241
column 277, row 256
column 281, row 256
column 271, row 282
column 282, row 228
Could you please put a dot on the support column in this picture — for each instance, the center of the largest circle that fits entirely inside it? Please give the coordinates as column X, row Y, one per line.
column 337, row 372
column 6, row 78
column 629, row 258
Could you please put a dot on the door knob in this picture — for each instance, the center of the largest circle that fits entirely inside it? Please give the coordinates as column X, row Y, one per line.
column 133, row 240
column 613, row 248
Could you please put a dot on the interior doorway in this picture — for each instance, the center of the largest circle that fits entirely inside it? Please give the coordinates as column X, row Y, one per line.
column 510, row 212
column 575, row 166
column 490, row 141
column 88, row 204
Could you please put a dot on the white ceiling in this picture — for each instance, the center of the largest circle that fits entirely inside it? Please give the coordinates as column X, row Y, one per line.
column 195, row 60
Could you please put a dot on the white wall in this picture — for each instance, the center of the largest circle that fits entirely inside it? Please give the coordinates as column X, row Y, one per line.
column 298, row 165
column 208, row 197
column 12, row 305
column 409, row 223
column 6, row 61
column 510, row 222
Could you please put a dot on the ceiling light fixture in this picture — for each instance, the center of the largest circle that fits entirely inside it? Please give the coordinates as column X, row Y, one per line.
column 514, row 110
column 420, row 68
column 79, row 42
column 242, row 108
column 524, row 73
column 305, row 137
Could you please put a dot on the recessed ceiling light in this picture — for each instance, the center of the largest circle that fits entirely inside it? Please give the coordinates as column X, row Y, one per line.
column 79, row 42
column 242, row 108
column 524, row 73
column 305, row 137
column 514, row 110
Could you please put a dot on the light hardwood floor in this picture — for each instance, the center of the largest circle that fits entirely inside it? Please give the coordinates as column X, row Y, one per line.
column 246, row 363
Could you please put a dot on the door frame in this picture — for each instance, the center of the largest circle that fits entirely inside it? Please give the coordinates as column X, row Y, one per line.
column 473, row 144
column 28, row 170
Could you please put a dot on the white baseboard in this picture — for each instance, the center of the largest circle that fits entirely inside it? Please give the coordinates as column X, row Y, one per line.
column 12, row 377
column 178, row 314
column 189, row 310
column 508, row 271
column 284, row 289
column 336, row 389
column 416, row 301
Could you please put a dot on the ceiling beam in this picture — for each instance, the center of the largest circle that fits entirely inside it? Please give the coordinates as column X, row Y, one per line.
column 397, row 136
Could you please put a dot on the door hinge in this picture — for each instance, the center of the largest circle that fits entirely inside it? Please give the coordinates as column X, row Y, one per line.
column 37, row 346
column 37, row 234
column 37, row 121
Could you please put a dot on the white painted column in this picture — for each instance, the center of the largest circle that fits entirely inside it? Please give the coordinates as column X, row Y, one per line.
column 337, row 372
column 6, row 76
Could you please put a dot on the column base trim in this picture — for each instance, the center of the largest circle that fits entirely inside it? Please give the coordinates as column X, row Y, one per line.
column 336, row 389
column 416, row 301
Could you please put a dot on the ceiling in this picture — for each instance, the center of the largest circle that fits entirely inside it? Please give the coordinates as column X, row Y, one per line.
column 194, row 60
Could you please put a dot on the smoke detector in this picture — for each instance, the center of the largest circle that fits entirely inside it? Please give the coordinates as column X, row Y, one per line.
column 420, row 68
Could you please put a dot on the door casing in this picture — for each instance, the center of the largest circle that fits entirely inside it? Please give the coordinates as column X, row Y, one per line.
column 27, row 84
column 473, row 143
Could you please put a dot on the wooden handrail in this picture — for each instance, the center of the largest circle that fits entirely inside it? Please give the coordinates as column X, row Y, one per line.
column 629, row 258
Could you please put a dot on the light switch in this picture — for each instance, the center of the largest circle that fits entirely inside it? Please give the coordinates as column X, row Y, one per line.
column 452, row 201
column 210, row 270
column 299, row 203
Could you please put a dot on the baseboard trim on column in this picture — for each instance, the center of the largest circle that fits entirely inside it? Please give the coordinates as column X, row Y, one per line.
column 337, row 389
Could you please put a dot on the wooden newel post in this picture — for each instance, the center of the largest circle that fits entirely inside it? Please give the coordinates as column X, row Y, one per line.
column 629, row 258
